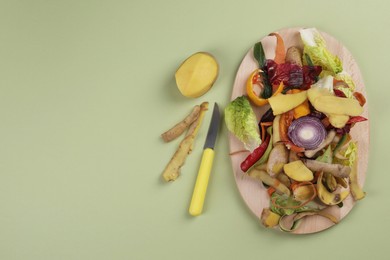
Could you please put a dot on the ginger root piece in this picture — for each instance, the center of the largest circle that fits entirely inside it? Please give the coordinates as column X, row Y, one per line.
column 336, row 170
column 180, row 127
column 194, row 127
column 172, row 170
column 294, row 56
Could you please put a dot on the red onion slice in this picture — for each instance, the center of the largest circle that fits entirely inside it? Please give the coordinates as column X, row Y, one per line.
column 307, row 132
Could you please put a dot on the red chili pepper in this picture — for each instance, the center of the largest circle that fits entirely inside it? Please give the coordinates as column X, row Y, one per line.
column 255, row 78
column 356, row 119
column 359, row 96
column 338, row 83
column 252, row 158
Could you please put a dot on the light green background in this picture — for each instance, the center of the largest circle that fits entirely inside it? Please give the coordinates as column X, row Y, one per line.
column 87, row 87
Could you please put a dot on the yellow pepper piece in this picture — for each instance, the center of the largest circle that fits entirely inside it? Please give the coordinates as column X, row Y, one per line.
column 303, row 109
column 256, row 100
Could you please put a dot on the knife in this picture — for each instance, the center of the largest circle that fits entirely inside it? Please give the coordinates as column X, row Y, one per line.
column 202, row 180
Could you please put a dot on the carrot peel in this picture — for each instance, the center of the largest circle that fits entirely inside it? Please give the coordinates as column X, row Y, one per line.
column 280, row 51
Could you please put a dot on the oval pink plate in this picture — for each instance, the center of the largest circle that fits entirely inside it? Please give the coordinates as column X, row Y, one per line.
column 252, row 191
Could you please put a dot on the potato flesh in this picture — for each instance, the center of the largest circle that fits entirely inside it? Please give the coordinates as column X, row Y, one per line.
column 197, row 74
column 298, row 171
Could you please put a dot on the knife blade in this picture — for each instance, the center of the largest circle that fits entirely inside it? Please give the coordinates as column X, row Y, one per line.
column 202, row 180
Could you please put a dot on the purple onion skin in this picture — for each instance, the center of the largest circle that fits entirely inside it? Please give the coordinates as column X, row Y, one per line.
column 317, row 114
column 311, row 124
column 268, row 116
column 345, row 130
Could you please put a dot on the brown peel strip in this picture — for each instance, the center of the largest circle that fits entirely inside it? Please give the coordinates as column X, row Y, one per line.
column 172, row 170
column 289, row 223
column 180, row 127
column 302, row 215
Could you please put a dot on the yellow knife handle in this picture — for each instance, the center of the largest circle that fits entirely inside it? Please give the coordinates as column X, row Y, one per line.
column 202, row 181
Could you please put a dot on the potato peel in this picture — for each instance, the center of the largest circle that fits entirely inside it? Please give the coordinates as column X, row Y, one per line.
column 356, row 190
column 327, row 197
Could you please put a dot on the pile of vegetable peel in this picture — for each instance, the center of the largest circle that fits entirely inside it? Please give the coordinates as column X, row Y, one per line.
column 191, row 123
column 301, row 149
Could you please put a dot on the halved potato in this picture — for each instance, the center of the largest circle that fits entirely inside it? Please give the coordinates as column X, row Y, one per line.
column 197, row 74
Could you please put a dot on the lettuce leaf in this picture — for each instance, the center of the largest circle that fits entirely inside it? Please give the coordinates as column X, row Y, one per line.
column 315, row 48
column 325, row 82
column 282, row 202
column 347, row 91
column 344, row 76
column 327, row 156
column 351, row 153
column 347, row 155
column 241, row 120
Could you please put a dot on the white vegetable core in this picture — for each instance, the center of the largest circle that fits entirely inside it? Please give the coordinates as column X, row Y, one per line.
column 306, row 134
